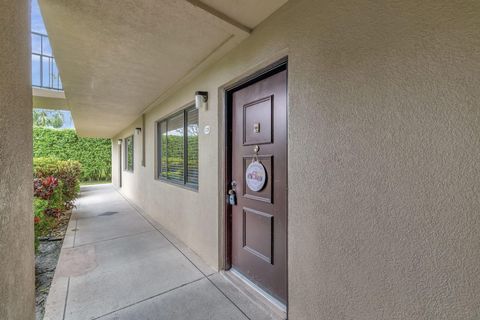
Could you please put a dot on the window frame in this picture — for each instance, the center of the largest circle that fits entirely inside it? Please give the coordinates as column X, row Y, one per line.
column 125, row 154
column 158, row 153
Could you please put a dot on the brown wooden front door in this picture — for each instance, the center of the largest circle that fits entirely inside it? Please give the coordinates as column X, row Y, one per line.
column 259, row 219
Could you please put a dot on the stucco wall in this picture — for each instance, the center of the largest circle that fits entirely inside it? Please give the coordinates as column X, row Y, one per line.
column 17, row 279
column 384, row 157
column 134, row 184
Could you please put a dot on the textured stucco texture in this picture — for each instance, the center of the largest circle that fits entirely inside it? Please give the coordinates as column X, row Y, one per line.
column 384, row 157
column 17, row 279
column 141, row 49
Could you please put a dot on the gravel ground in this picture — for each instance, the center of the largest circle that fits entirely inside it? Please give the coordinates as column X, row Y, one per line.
column 46, row 262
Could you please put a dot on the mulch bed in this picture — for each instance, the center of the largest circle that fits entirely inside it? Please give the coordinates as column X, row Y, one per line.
column 46, row 261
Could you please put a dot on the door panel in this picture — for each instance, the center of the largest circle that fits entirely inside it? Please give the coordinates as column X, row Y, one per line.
column 258, row 112
column 259, row 219
column 257, row 233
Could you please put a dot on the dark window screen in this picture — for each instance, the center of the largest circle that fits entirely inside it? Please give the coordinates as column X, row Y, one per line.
column 178, row 148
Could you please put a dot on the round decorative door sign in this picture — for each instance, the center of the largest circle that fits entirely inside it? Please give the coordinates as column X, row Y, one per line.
column 255, row 176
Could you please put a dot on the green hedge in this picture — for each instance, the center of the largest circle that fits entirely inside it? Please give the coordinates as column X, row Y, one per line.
column 95, row 155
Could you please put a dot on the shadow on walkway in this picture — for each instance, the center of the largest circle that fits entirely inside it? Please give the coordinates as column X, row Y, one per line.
column 116, row 263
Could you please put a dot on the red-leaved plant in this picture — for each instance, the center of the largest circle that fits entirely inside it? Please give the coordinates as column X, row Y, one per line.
column 49, row 188
column 44, row 187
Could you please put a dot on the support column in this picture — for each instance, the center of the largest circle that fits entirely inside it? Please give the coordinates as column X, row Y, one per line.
column 17, row 276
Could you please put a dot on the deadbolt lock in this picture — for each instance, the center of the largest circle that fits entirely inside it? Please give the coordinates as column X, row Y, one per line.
column 256, row 127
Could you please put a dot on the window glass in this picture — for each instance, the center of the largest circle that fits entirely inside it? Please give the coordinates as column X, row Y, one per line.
column 129, row 153
column 36, row 80
column 175, row 148
column 163, row 148
column 46, row 48
column 46, row 72
column 178, row 148
column 36, row 43
column 55, row 76
column 192, row 146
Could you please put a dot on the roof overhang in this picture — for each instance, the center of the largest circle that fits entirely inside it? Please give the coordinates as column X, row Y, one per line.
column 116, row 58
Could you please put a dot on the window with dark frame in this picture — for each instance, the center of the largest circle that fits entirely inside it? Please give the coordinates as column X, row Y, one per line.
column 177, row 155
column 129, row 153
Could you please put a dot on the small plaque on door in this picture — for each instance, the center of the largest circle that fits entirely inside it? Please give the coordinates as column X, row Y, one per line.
column 255, row 176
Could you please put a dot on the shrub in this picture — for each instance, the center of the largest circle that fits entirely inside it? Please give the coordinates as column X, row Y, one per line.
column 56, row 204
column 66, row 171
column 69, row 172
column 43, row 187
column 94, row 154
column 50, row 189
column 55, row 186
column 42, row 222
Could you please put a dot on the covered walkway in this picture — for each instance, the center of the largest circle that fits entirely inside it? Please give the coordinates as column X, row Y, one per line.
column 118, row 264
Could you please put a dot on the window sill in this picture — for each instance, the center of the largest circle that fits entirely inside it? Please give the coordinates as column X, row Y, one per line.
column 177, row 184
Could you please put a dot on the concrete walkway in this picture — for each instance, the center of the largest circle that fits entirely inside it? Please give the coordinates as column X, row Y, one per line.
column 116, row 263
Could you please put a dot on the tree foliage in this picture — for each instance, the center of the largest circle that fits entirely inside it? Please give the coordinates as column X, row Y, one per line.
column 47, row 118
column 94, row 154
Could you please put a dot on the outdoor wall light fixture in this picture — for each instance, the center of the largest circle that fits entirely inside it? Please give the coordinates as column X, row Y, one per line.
column 119, row 141
column 201, row 98
column 138, row 130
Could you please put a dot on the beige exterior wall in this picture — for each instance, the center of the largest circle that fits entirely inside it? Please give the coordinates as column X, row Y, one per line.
column 384, row 157
column 17, row 278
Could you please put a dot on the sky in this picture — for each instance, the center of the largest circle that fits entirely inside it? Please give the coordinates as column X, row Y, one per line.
column 37, row 21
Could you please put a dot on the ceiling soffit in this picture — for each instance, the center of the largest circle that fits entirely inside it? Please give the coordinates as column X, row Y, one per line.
column 117, row 58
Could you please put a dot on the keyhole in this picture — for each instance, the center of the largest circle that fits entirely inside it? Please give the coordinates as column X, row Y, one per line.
column 256, row 127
